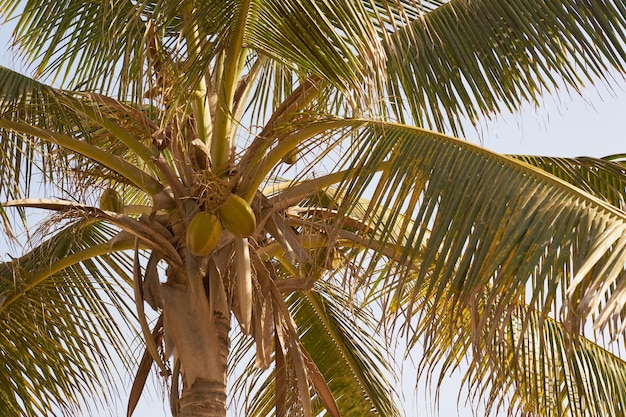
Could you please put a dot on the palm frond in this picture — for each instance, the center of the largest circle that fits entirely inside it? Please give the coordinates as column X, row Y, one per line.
column 533, row 366
column 474, row 59
column 551, row 372
column 337, row 42
column 274, row 83
column 91, row 39
column 114, row 130
column 484, row 223
column 105, row 47
column 65, row 330
column 22, row 98
column 346, row 352
column 601, row 177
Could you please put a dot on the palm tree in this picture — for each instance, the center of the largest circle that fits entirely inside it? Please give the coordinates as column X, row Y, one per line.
column 279, row 173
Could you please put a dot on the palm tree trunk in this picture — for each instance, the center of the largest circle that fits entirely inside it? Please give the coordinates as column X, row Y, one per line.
column 203, row 399
column 201, row 343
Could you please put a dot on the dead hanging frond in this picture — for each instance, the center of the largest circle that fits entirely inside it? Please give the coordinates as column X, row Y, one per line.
column 244, row 283
column 144, row 368
column 151, row 346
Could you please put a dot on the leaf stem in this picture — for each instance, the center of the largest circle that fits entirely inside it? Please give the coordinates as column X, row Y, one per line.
column 199, row 103
column 220, row 144
column 137, row 176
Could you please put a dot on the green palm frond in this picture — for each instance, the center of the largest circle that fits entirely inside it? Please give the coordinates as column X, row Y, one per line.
column 106, row 46
column 337, row 42
column 22, row 98
column 90, row 38
column 347, row 353
column 471, row 59
column 273, row 84
column 448, row 60
column 482, row 222
column 276, row 91
column 32, row 114
column 549, row 372
column 533, row 366
column 59, row 336
column 601, row 177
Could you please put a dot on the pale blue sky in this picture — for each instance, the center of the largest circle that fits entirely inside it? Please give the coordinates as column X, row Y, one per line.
column 566, row 126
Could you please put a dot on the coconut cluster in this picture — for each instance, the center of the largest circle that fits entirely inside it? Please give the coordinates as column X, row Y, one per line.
column 219, row 209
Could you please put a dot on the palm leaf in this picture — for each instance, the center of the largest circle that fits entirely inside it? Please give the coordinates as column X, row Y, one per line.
column 572, row 375
column 511, row 228
column 601, row 177
column 68, row 319
column 483, row 222
column 337, row 42
column 106, row 47
column 353, row 363
column 503, row 204
column 22, row 98
column 91, row 38
column 535, row 366
column 61, row 138
column 470, row 59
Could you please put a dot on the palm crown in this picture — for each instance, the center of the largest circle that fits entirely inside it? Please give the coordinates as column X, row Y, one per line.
column 310, row 138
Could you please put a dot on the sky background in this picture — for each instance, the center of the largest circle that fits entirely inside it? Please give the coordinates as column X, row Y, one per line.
column 564, row 125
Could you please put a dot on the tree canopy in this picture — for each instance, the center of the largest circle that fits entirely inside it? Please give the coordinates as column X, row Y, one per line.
column 281, row 182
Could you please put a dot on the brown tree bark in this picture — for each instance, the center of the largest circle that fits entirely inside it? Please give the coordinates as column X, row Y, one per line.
column 200, row 338
column 203, row 399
